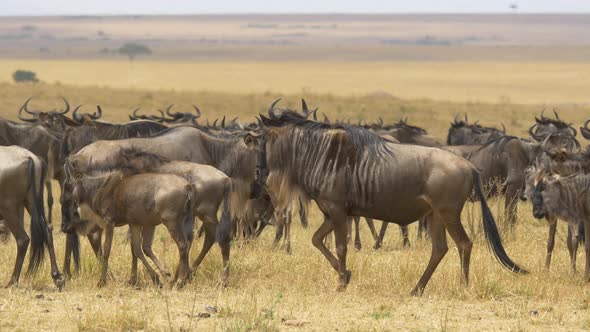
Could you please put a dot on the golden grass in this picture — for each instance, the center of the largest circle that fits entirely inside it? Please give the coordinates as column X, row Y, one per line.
column 522, row 82
column 267, row 286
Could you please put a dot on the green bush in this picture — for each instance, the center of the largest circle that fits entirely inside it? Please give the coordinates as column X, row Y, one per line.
column 25, row 76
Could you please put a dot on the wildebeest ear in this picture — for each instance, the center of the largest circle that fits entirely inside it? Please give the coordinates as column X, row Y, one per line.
column 251, row 139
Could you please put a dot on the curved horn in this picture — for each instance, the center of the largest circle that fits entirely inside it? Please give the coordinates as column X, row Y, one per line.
column 272, row 105
column 503, row 128
column 380, row 123
column 585, row 130
column 304, row 106
column 135, row 113
column 215, row 123
column 26, row 107
column 198, row 111
column 96, row 115
column 75, row 114
column 536, row 137
column 455, row 120
column 20, row 111
column 466, row 121
column 168, row 110
column 556, row 115
column 573, row 130
column 67, row 109
column 315, row 114
column 223, row 122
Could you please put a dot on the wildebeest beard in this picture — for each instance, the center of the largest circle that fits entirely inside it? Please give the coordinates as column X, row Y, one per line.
column 309, row 158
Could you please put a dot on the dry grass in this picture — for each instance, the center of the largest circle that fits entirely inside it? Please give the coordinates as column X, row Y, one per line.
column 521, row 82
column 267, row 286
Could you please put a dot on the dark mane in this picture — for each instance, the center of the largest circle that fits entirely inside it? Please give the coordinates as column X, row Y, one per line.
column 498, row 143
column 404, row 125
column 555, row 122
column 361, row 138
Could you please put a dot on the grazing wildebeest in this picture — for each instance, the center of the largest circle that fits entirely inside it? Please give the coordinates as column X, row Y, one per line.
column 22, row 175
column 533, row 174
column 566, row 198
column 231, row 155
column 116, row 198
column 464, row 133
column 351, row 171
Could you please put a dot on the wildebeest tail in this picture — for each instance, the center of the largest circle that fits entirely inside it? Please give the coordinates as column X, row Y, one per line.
column 224, row 228
column 189, row 217
column 38, row 222
column 74, row 241
column 581, row 235
column 491, row 230
column 303, row 214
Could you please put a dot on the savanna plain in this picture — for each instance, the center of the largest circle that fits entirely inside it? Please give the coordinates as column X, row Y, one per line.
column 270, row 290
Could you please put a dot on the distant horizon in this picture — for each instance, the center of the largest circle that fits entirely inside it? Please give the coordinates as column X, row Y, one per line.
column 10, row 8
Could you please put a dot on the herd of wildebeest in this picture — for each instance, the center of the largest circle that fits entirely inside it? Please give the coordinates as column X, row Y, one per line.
column 172, row 169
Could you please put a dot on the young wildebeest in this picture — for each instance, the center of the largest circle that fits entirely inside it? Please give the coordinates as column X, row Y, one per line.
column 115, row 198
column 22, row 175
column 211, row 188
column 533, row 174
column 566, row 198
column 352, row 171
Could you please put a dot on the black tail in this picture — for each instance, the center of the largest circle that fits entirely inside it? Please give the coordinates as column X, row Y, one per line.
column 224, row 227
column 302, row 214
column 189, row 217
column 38, row 222
column 581, row 234
column 491, row 230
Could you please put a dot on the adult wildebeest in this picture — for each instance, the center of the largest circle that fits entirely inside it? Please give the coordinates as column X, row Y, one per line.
column 464, row 133
column 22, row 175
column 352, row 171
column 563, row 135
column 116, row 198
column 228, row 154
column 566, row 198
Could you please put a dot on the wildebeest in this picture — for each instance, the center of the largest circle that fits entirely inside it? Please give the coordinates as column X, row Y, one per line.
column 462, row 132
column 566, row 198
column 22, row 175
column 562, row 134
column 533, row 174
column 211, row 188
column 231, row 155
column 114, row 198
column 351, row 171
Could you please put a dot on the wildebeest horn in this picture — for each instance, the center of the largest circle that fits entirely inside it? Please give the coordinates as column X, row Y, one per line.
column 466, row 118
column 197, row 110
column 67, row 109
column 135, row 113
column 168, row 110
column 532, row 133
column 545, row 141
column 223, row 122
column 315, row 114
column 556, row 115
column 215, row 123
column 26, row 107
column 503, row 128
column 272, row 106
column 585, row 130
column 380, row 121
column 96, row 115
column 77, row 117
column 573, row 130
column 20, row 111
column 455, row 120
column 304, row 107
column 326, row 120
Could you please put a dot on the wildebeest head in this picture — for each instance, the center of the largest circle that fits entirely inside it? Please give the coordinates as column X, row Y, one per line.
column 51, row 119
column 585, row 130
column 561, row 134
column 182, row 117
column 540, row 198
column 462, row 132
column 86, row 117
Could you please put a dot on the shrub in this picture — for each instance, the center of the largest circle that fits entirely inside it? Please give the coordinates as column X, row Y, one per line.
column 24, row 76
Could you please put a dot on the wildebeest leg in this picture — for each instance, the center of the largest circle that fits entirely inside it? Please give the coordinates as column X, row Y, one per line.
column 510, row 205
column 108, row 242
column 288, row 219
column 147, row 236
column 340, row 231
column 371, row 225
column 382, row 231
column 94, row 239
column 551, row 241
column 14, row 217
column 133, row 276
column 318, row 241
column 423, row 228
column 348, row 229
column 280, row 228
column 587, row 247
column 357, row 237
column 182, row 274
column 49, row 201
column 302, row 214
column 439, row 249
column 68, row 257
column 405, row 236
column 572, row 246
column 138, row 252
column 210, row 229
column 464, row 246
column 57, row 277
column 263, row 224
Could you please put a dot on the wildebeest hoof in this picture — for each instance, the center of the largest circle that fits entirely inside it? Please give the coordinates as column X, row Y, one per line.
column 417, row 292
column 101, row 283
column 10, row 284
column 60, row 282
column 132, row 281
